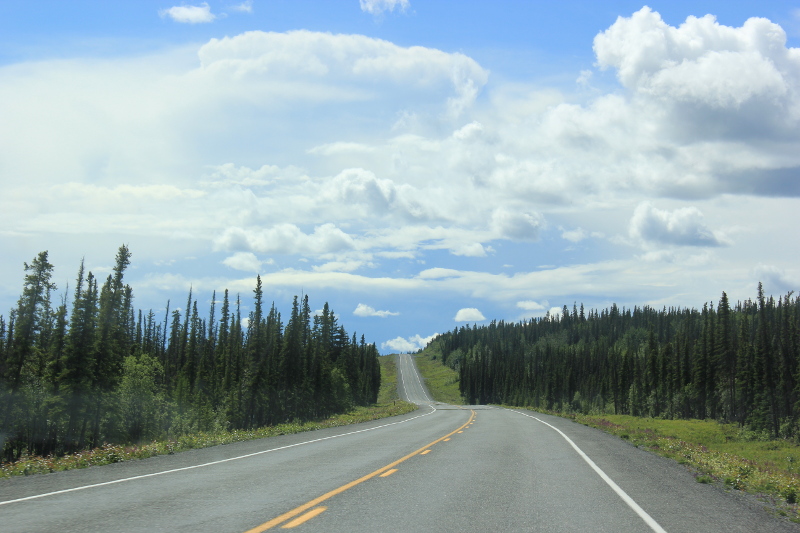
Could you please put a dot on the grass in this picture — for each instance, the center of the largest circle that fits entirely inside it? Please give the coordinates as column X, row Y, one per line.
column 442, row 381
column 388, row 405
column 388, row 390
column 719, row 453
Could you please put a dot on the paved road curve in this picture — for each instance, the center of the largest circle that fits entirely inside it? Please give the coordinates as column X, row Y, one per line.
column 442, row 468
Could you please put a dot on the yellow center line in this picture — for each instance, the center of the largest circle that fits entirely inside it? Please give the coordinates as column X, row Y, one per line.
column 447, row 439
column 389, row 472
column 297, row 510
column 301, row 519
column 426, row 452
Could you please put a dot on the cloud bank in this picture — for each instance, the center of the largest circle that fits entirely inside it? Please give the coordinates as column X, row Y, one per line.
column 419, row 175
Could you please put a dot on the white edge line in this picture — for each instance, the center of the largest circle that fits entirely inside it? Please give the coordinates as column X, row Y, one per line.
column 403, row 381
column 83, row 487
column 649, row 520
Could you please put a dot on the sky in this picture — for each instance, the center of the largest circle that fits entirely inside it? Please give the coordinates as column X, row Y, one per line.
column 418, row 165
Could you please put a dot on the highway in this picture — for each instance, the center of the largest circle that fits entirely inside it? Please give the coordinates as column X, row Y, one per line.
column 441, row 468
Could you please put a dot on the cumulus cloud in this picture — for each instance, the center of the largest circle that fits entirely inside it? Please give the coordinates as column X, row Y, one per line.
column 410, row 344
column 377, row 7
column 190, row 14
column 286, row 239
column 365, row 310
column 359, row 186
column 531, row 305
column 704, row 67
column 245, row 261
column 469, row 314
column 682, row 227
column 516, row 225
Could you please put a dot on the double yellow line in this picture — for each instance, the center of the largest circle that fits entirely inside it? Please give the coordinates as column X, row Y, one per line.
column 316, row 501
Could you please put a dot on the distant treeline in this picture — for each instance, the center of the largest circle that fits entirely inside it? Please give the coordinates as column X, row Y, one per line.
column 727, row 363
column 94, row 371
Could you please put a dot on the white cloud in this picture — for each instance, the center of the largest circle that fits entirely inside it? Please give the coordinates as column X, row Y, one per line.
column 244, row 7
column 703, row 68
column 377, row 7
column 471, row 131
column 531, row 305
column 341, row 266
column 575, row 235
column 245, row 261
column 359, row 186
column 286, row 239
column 365, row 310
column 411, row 344
column 516, row 225
column 351, row 60
column 190, row 14
column 469, row 314
column 473, row 249
column 682, row 227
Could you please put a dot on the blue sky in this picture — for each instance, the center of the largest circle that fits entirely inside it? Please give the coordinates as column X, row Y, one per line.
column 418, row 165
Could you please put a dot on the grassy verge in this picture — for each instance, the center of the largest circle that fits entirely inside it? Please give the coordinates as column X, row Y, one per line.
column 388, row 405
column 442, row 381
column 388, row 390
column 717, row 452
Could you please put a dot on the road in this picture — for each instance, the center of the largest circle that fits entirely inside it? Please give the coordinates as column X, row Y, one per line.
column 441, row 468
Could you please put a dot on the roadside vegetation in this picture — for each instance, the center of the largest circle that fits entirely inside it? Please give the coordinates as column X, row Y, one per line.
column 718, row 453
column 441, row 380
column 388, row 405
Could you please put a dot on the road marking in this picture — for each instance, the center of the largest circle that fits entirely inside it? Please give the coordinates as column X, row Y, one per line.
column 426, row 452
column 389, row 472
column 308, row 505
column 407, row 361
column 649, row 520
column 459, row 432
column 83, row 487
column 302, row 519
column 447, row 439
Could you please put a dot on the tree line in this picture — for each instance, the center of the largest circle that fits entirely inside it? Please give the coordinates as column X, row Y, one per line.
column 731, row 363
column 76, row 375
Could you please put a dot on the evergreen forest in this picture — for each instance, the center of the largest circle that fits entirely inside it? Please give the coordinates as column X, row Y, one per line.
column 733, row 363
column 92, row 370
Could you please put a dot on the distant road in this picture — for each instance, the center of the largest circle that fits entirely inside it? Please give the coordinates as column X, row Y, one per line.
column 442, row 468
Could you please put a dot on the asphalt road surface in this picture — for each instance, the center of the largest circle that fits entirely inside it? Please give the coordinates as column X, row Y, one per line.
column 441, row 468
